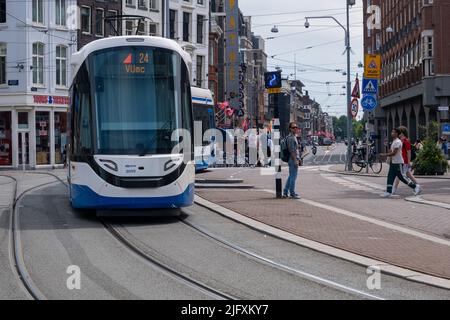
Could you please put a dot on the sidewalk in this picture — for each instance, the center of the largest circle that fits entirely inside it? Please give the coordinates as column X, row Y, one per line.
column 424, row 254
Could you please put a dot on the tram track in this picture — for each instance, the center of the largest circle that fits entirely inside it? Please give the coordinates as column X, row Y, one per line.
column 305, row 275
column 15, row 244
column 155, row 262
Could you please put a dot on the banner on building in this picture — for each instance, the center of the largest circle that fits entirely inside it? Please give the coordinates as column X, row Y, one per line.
column 232, row 52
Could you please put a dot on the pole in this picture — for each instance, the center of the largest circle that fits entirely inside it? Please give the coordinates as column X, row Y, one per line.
column 277, row 144
column 349, row 94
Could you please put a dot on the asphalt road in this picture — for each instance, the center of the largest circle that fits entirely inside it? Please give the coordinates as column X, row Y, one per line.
column 54, row 237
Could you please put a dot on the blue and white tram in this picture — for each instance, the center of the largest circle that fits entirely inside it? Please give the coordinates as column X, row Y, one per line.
column 129, row 96
column 203, row 108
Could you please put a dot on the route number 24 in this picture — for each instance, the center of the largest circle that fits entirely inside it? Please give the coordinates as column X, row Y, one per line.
column 143, row 58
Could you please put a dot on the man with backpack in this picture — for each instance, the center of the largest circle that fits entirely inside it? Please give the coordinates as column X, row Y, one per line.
column 290, row 154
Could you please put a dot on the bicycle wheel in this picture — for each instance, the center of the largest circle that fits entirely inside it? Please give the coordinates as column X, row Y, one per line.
column 357, row 164
column 376, row 166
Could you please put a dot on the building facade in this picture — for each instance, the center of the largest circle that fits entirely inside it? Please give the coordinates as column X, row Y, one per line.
column 37, row 39
column 412, row 40
column 188, row 25
column 91, row 20
column 150, row 9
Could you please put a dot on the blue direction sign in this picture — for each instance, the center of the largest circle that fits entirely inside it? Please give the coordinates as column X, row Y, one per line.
column 370, row 86
column 369, row 103
column 446, row 128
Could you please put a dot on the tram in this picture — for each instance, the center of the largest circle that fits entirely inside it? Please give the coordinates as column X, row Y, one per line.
column 203, row 108
column 130, row 96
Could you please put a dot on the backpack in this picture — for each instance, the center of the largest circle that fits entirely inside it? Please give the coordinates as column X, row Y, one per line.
column 284, row 150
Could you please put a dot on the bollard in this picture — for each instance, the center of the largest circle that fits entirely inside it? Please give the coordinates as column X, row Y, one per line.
column 277, row 157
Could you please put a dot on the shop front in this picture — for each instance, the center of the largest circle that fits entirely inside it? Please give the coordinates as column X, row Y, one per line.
column 34, row 137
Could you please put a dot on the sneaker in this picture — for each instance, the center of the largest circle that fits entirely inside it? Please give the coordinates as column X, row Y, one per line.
column 386, row 195
column 394, row 191
column 285, row 196
column 295, row 197
column 417, row 190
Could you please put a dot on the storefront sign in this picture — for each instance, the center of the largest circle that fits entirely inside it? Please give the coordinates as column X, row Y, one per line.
column 13, row 82
column 232, row 52
column 51, row 100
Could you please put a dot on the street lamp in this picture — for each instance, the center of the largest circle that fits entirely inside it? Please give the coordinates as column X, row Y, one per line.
column 349, row 84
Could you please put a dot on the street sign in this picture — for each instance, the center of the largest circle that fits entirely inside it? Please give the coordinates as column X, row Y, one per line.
column 443, row 108
column 240, row 113
column 372, row 66
column 446, row 129
column 369, row 102
column 356, row 90
column 273, row 80
column 355, row 107
column 13, row 82
column 370, row 86
column 273, row 90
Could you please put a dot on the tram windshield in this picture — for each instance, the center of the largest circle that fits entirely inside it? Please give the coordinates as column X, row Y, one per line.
column 140, row 96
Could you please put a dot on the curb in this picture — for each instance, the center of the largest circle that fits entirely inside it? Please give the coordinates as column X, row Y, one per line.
column 384, row 267
column 420, row 200
column 223, row 186
column 219, row 181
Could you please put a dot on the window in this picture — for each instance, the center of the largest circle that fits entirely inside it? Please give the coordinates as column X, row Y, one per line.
column 61, row 66
column 173, row 23
column 2, row 63
column 42, row 137
column 130, row 3
column 141, row 28
column 142, row 4
column 153, row 29
column 153, row 4
column 38, row 63
column 38, row 11
column 99, row 24
column 113, row 25
column 199, row 71
column 128, row 28
column 2, row 11
column 86, row 19
column 5, row 139
column 201, row 2
column 60, row 136
column 186, row 26
column 200, row 26
column 60, row 12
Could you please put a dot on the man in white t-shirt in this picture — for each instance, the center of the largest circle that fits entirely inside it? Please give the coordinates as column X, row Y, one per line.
column 395, row 168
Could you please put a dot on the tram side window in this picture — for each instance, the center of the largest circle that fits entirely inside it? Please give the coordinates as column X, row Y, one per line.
column 82, row 115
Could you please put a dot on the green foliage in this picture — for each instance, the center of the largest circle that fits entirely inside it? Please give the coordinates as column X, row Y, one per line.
column 430, row 161
column 433, row 131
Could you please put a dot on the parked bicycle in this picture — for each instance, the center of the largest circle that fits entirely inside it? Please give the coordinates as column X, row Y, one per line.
column 359, row 160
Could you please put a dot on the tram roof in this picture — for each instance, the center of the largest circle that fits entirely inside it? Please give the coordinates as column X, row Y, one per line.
column 124, row 41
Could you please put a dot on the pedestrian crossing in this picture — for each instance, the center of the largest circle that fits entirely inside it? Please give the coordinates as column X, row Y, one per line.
column 356, row 184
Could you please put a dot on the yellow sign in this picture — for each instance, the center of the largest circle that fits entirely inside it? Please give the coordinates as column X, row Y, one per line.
column 274, row 90
column 372, row 66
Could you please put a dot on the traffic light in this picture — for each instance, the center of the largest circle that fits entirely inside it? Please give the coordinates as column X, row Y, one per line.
column 272, row 80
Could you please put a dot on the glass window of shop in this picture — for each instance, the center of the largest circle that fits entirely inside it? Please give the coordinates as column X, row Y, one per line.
column 5, row 139
column 42, row 138
column 60, row 137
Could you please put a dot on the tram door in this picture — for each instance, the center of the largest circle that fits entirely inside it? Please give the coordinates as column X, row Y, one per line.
column 24, row 149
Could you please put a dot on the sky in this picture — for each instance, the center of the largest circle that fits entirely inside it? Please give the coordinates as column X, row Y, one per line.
column 318, row 51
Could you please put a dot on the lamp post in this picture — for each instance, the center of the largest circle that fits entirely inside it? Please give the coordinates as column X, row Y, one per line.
column 349, row 84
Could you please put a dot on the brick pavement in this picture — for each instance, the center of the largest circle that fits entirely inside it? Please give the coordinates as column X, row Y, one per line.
column 334, row 229
column 443, row 198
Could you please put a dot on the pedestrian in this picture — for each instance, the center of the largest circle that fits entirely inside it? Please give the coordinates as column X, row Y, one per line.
column 443, row 146
column 294, row 161
column 406, row 166
column 418, row 145
column 396, row 157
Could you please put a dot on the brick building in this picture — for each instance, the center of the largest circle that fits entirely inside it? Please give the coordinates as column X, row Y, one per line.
column 92, row 25
column 413, row 40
